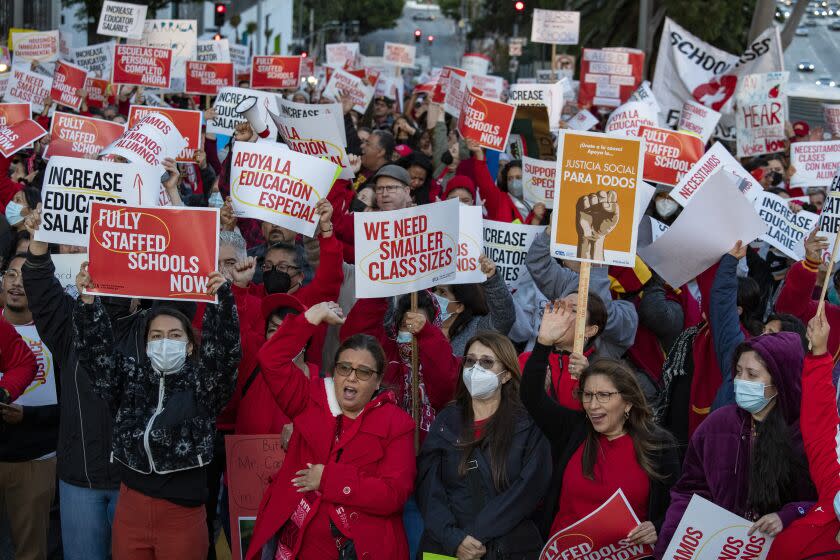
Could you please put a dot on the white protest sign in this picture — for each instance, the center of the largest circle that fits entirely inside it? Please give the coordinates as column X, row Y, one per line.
column 120, row 19
column 815, row 162
column 399, row 54
column 36, row 45
column 226, row 116
column 347, row 85
column 507, row 245
column 153, row 139
column 180, row 35
column 555, row 27
column 402, row 251
column 698, row 119
column 715, row 159
column 829, row 220
column 475, row 63
column 626, row 120
column 529, row 94
column 716, row 533
column 270, row 182
column 469, row 246
column 96, row 59
column 240, row 58
column 70, row 184
column 67, row 267
column 491, row 86
column 28, row 87
column 786, row 229
column 456, row 88
column 644, row 94
column 538, row 181
column 831, row 116
column 215, row 50
column 761, row 114
column 583, row 120
column 657, row 228
column 340, row 55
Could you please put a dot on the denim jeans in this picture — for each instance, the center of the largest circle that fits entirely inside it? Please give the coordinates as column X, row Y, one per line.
column 86, row 518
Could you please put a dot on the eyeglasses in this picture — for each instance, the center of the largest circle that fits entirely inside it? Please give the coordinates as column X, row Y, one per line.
column 486, row 363
column 281, row 267
column 387, row 188
column 602, row 396
column 362, row 373
column 12, row 275
column 229, row 263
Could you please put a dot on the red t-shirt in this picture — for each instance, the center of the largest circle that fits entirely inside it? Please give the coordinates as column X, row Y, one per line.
column 615, row 468
column 478, row 427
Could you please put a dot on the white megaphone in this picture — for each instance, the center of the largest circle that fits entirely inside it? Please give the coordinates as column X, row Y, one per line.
column 249, row 109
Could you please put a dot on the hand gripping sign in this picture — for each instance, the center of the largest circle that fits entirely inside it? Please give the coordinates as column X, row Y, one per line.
column 188, row 124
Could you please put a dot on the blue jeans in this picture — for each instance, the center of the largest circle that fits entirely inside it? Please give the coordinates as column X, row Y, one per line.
column 413, row 522
column 86, row 518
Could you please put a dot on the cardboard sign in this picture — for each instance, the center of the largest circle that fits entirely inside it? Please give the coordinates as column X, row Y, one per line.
column 469, row 246
column 71, row 184
column 716, row 159
column 81, row 137
column 538, row 181
column 226, row 116
column 668, row 154
column 816, row 163
column 486, row 121
column 710, row 531
column 609, row 76
column 507, row 245
column 215, row 50
column 831, row 116
column 475, row 63
column 158, row 253
column 698, row 119
column 786, row 229
column 68, row 79
column 17, row 136
column 555, row 27
column 399, row 54
column 96, row 59
column 120, row 19
column 596, row 199
column 275, row 72
column 240, row 57
column 272, row 183
column 347, row 85
column 761, row 114
column 99, row 92
column 403, row 251
column 206, row 78
column 188, row 124
column 11, row 113
column 583, row 120
column 28, row 87
column 36, row 45
column 627, row 119
column 179, row 35
column 251, row 461
column 601, row 534
column 340, row 55
column 151, row 140
column 142, row 66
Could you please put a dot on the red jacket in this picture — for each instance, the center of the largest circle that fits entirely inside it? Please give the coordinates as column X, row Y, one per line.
column 498, row 204
column 8, row 188
column 563, row 385
column 368, row 474
column 17, row 362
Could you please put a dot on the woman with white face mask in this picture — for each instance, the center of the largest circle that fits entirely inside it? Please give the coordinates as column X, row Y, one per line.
column 165, row 407
column 482, row 469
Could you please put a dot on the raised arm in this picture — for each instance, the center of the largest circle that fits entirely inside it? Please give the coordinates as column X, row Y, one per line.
column 725, row 323
column 499, row 300
column 220, row 348
column 550, row 277
column 94, row 343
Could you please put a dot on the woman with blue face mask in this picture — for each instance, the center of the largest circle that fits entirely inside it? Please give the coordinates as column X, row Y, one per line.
column 17, row 209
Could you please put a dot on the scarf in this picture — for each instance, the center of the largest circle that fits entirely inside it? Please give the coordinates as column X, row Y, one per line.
column 674, row 367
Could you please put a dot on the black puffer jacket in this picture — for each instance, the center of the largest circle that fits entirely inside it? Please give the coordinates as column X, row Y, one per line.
column 162, row 423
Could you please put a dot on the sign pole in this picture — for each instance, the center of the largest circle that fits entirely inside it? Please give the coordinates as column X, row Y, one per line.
column 583, row 300
column 827, row 278
column 415, row 380
column 553, row 56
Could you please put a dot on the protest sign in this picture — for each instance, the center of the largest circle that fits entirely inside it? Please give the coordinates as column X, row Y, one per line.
column 151, row 140
column 831, row 116
column 36, row 45
column 609, row 76
column 601, row 534
column 340, row 55
column 529, row 94
column 99, row 92
column 626, row 120
column 67, row 266
column 657, row 228
column 121, row 19
column 786, row 229
column 583, row 120
column 707, row 530
column 698, row 119
column 68, row 80
column 555, row 27
column 10, row 113
column 159, row 253
column 16, row 136
column 71, row 184
column 596, row 199
column 214, row 50
column 275, row 72
column 176, row 34
column 96, row 59
column 251, row 462
column 829, row 221
column 41, row 390
column 469, row 246
column 442, row 84
column 240, row 57
column 716, row 159
column 206, row 78
column 391, row 87
column 815, row 162
column 350, row 86
column 188, row 124
column 226, row 116
column 142, row 66
column 28, row 87
column 82, row 137
column 398, row 54
column 486, row 121
column 668, row 154
column 4, row 83
column 456, row 88
column 718, row 216
column 538, row 181
column 491, row 87
column 402, row 251
column 761, row 114
column 507, row 245
column 644, row 94
column 475, row 63
column 272, row 183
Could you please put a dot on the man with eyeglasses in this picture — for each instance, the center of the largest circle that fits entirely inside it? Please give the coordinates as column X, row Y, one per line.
column 392, row 188
column 377, row 151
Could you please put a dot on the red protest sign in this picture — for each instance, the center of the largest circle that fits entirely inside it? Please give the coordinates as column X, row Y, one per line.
column 18, row 135
column 275, row 72
column 609, row 76
column 486, row 121
column 68, row 80
column 78, row 136
column 152, row 252
column 205, row 78
column 187, row 122
column 11, row 113
column 141, row 66
column 668, row 154
column 98, row 93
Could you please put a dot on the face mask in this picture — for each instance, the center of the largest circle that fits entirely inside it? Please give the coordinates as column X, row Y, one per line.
column 403, row 337
column 443, row 303
column 13, row 213
column 515, row 187
column 666, row 207
column 750, row 395
column 357, row 205
column 167, row 355
column 215, row 200
column 276, row 282
column 480, row 382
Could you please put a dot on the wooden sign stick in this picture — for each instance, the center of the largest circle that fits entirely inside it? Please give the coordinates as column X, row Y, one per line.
column 583, row 300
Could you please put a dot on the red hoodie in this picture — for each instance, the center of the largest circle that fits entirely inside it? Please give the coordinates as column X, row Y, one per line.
column 17, row 363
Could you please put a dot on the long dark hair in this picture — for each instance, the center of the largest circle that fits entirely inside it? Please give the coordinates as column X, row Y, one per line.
column 647, row 437
column 474, row 300
column 749, row 300
column 186, row 324
column 498, row 431
column 417, row 159
column 365, row 342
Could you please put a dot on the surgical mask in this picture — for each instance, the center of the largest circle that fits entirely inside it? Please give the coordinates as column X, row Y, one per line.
column 277, row 282
column 167, row 355
column 480, row 382
column 403, row 337
column 215, row 200
column 666, row 207
column 515, row 187
column 13, row 213
column 443, row 303
column 750, row 395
